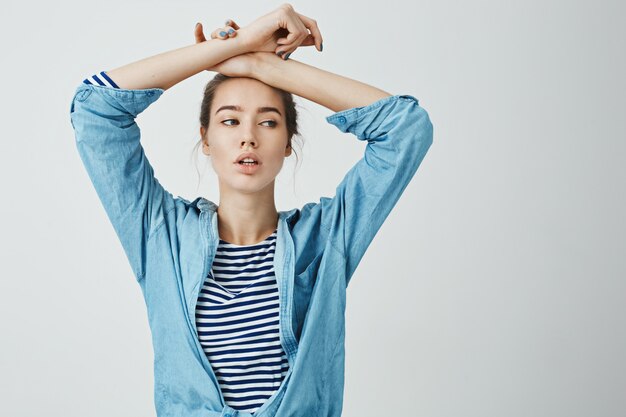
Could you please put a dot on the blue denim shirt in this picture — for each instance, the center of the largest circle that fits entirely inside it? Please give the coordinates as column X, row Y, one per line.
column 170, row 243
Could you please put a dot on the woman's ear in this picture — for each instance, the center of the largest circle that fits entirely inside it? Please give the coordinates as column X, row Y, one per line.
column 205, row 141
column 288, row 150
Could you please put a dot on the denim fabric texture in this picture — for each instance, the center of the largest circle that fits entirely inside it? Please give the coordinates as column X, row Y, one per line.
column 170, row 244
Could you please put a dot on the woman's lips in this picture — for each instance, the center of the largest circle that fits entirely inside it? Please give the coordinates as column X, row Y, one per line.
column 247, row 168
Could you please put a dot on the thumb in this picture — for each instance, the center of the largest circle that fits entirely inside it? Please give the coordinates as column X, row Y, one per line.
column 199, row 34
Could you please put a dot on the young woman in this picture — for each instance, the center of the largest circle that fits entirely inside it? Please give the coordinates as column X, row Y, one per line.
column 246, row 303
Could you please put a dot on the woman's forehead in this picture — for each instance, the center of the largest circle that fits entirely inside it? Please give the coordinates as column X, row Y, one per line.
column 246, row 93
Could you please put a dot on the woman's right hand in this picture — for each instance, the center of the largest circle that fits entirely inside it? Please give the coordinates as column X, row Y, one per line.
column 281, row 31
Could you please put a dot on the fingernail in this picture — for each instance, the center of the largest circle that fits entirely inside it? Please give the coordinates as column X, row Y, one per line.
column 222, row 33
column 231, row 31
column 321, row 46
column 287, row 56
column 228, row 21
column 280, row 53
column 197, row 24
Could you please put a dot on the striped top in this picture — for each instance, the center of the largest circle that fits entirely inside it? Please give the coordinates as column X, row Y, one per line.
column 237, row 323
column 101, row 79
column 237, row 317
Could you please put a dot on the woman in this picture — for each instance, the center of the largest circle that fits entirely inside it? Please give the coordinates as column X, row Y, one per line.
column 246, row 303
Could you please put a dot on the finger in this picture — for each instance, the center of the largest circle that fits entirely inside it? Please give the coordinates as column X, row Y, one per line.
column 296, row 30
column 199, row 34
column 284, row 51
column 311, row 25
column 219, row 33
column 308, row 41
column 231, row 32
column 224, row 33
column 290, row 21
column 292, row 40
column 232, row 23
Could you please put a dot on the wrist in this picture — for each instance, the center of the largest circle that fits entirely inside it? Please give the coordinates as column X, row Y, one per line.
column 266, row 66
column 238, row 45
column 244, row 41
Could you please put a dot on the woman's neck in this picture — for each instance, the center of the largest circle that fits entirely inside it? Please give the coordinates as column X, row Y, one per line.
column 246, row 224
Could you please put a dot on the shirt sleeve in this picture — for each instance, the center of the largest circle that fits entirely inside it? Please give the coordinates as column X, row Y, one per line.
column 108, row 142
column 398, row 132
column 100, row 79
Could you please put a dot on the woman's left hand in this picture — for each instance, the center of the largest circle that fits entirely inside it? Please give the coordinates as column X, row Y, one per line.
column 236, row 66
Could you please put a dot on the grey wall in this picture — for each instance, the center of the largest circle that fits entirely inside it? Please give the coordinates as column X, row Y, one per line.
column 495, row 288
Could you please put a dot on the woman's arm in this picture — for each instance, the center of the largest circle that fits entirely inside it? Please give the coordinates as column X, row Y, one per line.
column 108, row 139
column 397, row 131
column 169, row 68
column 331, row 90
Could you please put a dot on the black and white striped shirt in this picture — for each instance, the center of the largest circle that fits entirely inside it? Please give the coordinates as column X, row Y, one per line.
column 237, row 322
column 101, row 79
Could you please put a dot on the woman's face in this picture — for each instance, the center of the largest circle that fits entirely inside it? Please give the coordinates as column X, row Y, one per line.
column 246, row 116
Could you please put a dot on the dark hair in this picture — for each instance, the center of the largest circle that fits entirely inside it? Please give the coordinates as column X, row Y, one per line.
column 291, row 114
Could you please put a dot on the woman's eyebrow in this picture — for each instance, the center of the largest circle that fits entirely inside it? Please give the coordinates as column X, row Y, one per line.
column 259, row 110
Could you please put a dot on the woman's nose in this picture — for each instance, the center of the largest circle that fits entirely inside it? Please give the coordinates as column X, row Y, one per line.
column 249, row 141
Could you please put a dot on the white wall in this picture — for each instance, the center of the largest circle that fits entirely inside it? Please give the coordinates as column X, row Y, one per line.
column 496, row 286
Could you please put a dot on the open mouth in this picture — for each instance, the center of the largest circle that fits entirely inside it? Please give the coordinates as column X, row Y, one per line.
column 248, row 161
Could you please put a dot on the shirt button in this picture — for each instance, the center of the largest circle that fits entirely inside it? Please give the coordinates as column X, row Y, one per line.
column 342, row 119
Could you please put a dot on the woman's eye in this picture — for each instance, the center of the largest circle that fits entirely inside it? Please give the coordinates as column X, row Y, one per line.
column 272, row 122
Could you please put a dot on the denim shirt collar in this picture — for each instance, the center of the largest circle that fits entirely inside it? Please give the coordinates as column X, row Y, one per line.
column 206, row 205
